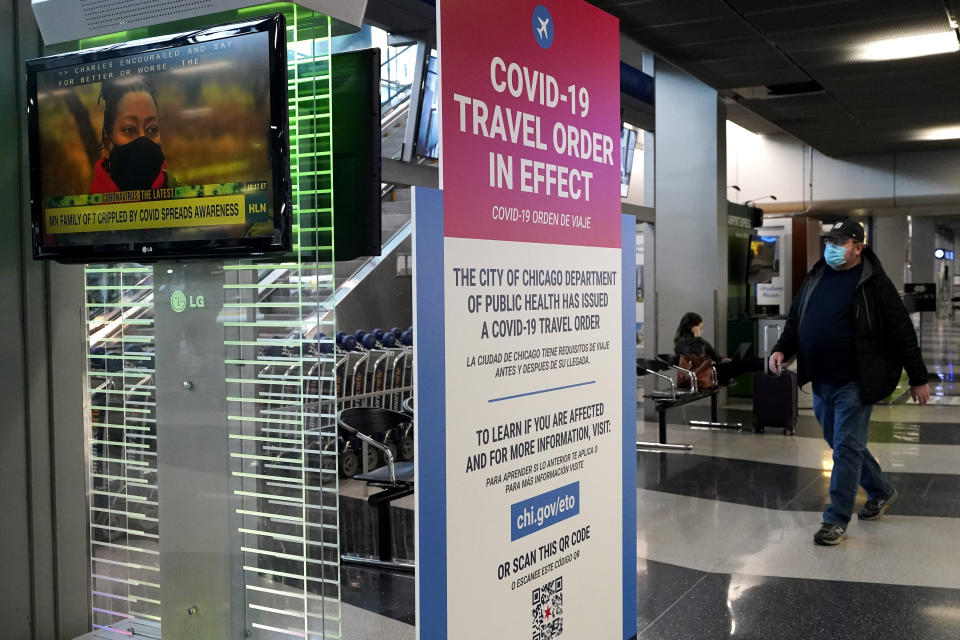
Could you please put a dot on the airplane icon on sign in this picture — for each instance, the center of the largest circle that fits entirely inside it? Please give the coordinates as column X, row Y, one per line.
column 542, row 30
column 542, row 27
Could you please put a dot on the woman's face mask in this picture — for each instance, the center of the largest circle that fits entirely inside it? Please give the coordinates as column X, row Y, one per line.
column 137, row 164
column 835, row 255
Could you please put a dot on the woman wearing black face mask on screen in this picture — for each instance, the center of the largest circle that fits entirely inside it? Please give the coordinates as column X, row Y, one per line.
column 130, row 140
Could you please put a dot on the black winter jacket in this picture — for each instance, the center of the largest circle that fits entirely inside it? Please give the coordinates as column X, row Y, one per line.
column 885, row 342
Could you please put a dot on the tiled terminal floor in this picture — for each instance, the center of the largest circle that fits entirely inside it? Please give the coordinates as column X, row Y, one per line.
column 725, row 533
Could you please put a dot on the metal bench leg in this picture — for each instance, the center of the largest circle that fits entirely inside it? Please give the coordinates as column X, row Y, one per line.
column 714, row 423
column 663, row 445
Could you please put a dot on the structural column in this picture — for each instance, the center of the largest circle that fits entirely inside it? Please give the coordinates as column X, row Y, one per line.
column 44, row 570
column 890, row 245
column 691, row 235
column 922, row 246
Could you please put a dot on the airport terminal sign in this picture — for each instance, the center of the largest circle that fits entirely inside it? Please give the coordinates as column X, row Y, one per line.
column 533, row 443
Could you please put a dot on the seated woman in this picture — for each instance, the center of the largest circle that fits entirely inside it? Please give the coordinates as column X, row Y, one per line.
column 689, row 339
column 689, row 342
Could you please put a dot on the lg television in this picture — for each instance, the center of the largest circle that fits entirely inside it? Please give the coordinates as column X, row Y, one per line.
column 172, row 147
column 428, row 124
column 628, row 144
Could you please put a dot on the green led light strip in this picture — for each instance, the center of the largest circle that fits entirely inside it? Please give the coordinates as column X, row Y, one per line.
column 273, row 373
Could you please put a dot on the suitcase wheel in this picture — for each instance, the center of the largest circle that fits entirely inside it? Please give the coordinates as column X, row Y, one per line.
column 349, row 463
column 757, row 428
column 787, row 431
column 407, row 448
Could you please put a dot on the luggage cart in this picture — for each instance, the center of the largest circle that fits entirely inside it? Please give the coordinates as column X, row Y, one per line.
column 379, row 378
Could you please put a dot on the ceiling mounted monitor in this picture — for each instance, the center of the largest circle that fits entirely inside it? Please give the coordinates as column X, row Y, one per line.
column 173, row 147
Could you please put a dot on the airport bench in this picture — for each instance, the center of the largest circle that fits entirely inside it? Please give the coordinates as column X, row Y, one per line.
column 673, row 397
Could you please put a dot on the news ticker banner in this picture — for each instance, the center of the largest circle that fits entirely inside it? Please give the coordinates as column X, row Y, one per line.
column 205, row 205
column 527, row 452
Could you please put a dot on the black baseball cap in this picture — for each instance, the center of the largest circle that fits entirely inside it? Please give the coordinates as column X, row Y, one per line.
column 845, row 230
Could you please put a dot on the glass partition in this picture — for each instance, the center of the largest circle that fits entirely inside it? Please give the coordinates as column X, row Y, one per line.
column 272, row 325
column 122, row 430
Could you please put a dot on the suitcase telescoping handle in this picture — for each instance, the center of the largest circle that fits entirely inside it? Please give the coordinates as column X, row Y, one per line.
column 767, row 342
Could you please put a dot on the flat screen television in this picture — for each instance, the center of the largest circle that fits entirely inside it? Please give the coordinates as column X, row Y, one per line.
column 355, row 93
column 428, row 123
column 171, row 147
column 628, row 145
column 763, row 259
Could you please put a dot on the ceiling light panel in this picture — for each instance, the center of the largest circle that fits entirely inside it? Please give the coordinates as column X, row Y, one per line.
column 948, row 132
column 909, row 47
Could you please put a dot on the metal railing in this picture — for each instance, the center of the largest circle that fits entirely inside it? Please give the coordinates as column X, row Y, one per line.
column 395, row 87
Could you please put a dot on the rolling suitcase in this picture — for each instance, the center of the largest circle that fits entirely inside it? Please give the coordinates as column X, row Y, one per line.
column 775, row 402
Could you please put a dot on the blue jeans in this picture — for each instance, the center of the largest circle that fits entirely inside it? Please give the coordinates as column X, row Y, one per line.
column 845, row 421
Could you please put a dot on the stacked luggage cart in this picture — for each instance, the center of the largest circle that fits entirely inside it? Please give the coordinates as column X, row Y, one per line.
column 374, row 370
column 375, row 423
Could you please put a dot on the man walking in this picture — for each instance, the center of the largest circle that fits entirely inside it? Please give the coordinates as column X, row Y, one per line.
column 852, row 337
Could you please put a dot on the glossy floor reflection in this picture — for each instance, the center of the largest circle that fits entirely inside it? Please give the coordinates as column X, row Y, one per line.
column 764, row 607
column 387, row 593
column 779, row 486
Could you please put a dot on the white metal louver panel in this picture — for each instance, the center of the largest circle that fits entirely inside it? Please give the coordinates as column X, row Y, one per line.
column 107, row 16
column 68, row 20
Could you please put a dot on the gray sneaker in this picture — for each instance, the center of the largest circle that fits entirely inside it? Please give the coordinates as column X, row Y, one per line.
column 830, row 534
column 876, row 508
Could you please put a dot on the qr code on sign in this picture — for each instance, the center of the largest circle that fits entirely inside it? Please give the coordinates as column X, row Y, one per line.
column 548, row 610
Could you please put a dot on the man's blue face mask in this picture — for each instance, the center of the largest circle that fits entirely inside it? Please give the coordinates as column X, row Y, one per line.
column 835, row 255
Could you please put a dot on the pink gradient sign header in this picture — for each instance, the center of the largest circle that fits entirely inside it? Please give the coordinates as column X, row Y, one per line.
column 530, row 108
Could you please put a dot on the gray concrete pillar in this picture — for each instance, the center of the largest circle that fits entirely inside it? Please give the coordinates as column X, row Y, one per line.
column 691, row 222
column 889, row 242
column 923, row 239
column 651, row 343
